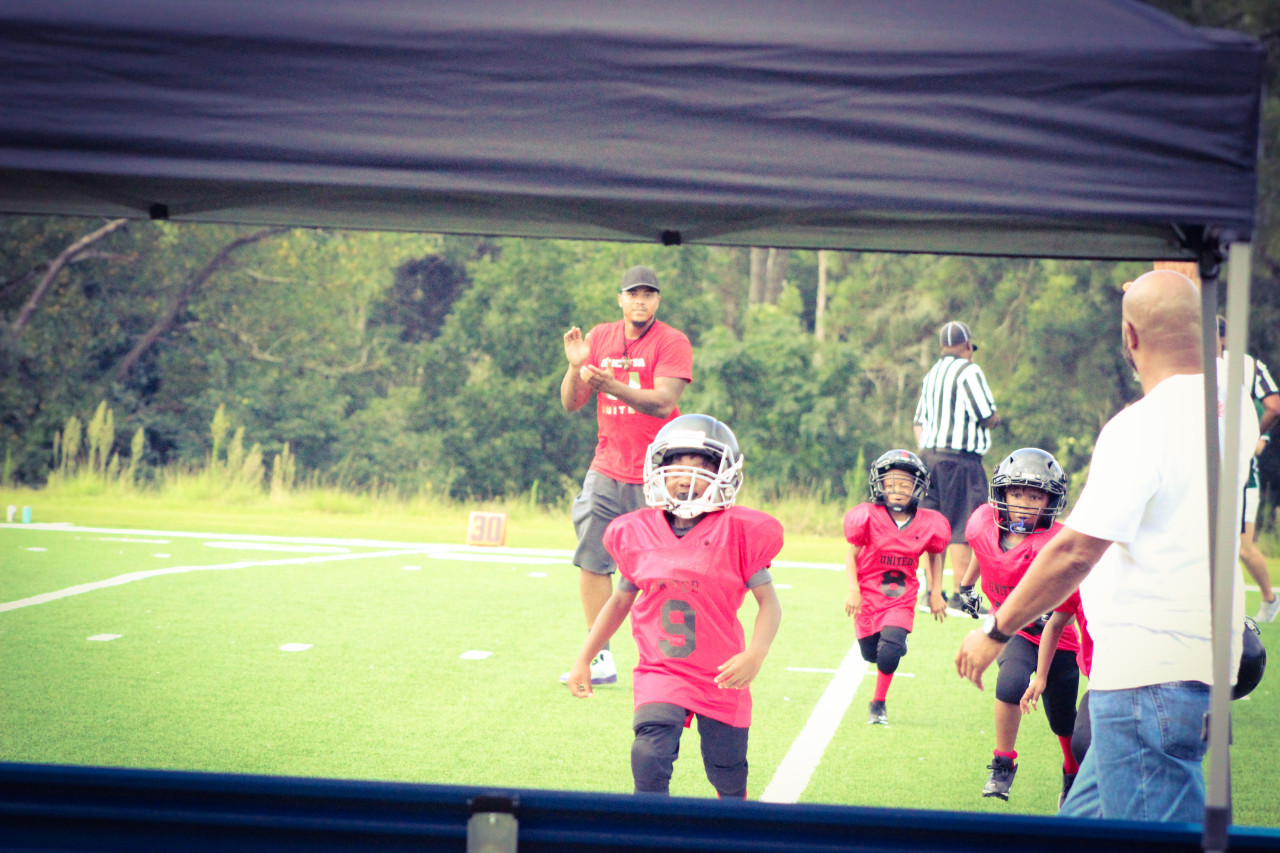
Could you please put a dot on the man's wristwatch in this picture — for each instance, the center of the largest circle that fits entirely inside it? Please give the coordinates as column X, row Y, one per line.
column 989, row 628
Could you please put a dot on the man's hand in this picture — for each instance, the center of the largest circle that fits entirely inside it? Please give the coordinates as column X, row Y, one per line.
column 576, row 348
column 970, row 600
column 975, row 655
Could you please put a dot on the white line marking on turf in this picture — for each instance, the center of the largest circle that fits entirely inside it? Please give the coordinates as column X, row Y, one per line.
column 796, row 769
column 295, row 647
column 496, row 558
column 474, row 655
column 37, row 549
column 105, row 638
column 270, row 546
column 118, row 580
column 126, row 539
column 808, row 669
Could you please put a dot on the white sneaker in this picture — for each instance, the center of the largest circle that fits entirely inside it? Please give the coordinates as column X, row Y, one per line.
column 1267, row 611
column 603, row 670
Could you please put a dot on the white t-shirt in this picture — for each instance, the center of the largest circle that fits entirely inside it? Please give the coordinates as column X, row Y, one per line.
column 1148, row 597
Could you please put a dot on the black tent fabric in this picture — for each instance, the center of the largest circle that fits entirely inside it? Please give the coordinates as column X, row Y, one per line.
column 1077, row 128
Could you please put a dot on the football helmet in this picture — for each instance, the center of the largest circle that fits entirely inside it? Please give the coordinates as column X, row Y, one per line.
column 898, row 460
column 705, row 436
column 1034, row 467
column 1253, row 662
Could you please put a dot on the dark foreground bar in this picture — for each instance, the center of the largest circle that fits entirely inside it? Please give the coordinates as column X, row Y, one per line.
column 62, row 808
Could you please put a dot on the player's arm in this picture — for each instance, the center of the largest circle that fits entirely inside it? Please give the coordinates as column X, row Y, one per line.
column 853, row 602
column 741, row 669
column 611, row 616
column 933, row 574
column 574, row 390
column 1065, row 561
column 658, row 402
column 1270, row 414
column 1049, row 638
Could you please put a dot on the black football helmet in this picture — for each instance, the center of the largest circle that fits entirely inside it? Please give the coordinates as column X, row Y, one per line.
column 898, row 460
column 1253, row 662
column 705, row 436
column 1034, row 467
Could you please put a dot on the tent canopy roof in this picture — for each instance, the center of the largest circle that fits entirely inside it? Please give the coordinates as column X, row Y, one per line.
column 1078, row 128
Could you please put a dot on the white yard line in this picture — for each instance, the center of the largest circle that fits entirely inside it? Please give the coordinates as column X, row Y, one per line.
column 796, row 769
column 80, row 589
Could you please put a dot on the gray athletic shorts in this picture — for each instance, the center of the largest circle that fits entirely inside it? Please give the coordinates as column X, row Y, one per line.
column 601, row 501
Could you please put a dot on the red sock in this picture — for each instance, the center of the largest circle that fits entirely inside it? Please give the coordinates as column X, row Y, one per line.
column 1012, row 755
column 1069, row 763
column 883, row 680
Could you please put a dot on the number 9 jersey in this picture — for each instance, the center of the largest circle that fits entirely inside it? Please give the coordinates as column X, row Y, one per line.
column 685, row 619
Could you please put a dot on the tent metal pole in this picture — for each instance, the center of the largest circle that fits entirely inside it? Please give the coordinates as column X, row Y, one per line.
column 1224, row 533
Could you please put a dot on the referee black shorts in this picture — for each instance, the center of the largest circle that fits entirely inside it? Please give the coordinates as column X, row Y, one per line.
column 957, row 486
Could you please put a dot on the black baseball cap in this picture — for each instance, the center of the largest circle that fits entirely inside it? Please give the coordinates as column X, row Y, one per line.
column 639, row 276
column 956, row 333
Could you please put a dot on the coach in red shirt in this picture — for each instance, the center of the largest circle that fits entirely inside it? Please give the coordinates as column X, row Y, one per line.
column 636, row 368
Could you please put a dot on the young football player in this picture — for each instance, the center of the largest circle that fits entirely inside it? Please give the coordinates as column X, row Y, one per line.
column 886, row 538
column 686, row 565
column 1026, row 494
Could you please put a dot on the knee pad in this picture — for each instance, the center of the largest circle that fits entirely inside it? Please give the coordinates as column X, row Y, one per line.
column 890, row 649
column 1015, row 675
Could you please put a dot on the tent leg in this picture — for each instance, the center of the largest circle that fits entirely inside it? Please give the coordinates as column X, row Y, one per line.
column 1224, row 534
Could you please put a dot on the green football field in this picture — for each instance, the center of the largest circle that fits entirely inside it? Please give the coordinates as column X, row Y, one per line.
column 394, row 660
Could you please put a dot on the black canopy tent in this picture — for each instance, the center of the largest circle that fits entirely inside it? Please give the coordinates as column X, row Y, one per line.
column 1078, row 128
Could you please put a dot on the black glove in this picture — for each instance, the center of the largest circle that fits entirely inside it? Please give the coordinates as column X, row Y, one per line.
column 970, row 601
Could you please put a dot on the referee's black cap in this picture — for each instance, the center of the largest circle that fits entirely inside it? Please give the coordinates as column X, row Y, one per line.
column 956, row 333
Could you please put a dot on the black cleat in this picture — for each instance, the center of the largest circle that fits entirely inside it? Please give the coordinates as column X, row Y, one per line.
column 1067, row 780
column 1001, row 779
column 877, row 715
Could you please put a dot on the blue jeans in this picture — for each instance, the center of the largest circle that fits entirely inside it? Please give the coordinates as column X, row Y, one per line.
column 1145, row 759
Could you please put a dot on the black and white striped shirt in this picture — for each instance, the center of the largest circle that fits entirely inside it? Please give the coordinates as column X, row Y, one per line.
column 954, row 399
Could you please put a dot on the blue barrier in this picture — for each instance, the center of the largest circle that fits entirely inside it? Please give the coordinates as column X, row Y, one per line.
column 66, row 808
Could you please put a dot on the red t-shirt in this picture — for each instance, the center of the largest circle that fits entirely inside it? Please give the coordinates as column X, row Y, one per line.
column 685, row 619
column 625, row 434
column 887, row 561
column 1002, row 570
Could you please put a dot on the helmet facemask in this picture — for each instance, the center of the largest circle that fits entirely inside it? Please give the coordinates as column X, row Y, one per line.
column 903, row 462
column 1034, row 468
column 719, row 487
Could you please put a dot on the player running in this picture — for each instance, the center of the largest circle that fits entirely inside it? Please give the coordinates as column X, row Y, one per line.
column 686, row 565
column 886, row 538
column 1027, row 492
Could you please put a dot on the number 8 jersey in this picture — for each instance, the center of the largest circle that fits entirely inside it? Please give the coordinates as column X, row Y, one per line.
column 685, row 619
column 887, row 562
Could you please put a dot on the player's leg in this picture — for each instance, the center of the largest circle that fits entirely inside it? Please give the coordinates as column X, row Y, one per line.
column 869, row 646
column 602, row 499
column 890, row 649
column 658, row 726
column 1016, row 662
column 1081, row 735
column 1061, row 689
column 724, row 755
column 1256, row 564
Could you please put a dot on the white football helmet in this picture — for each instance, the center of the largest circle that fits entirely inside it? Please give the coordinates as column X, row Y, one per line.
column 705, row 436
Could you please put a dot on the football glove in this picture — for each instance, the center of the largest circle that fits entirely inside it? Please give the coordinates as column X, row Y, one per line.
column 970, row 601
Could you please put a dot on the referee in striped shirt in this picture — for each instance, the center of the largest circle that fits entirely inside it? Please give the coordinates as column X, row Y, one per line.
column 953, row 424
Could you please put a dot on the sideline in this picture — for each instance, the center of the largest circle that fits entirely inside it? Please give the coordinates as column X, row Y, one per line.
column 802, row 759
